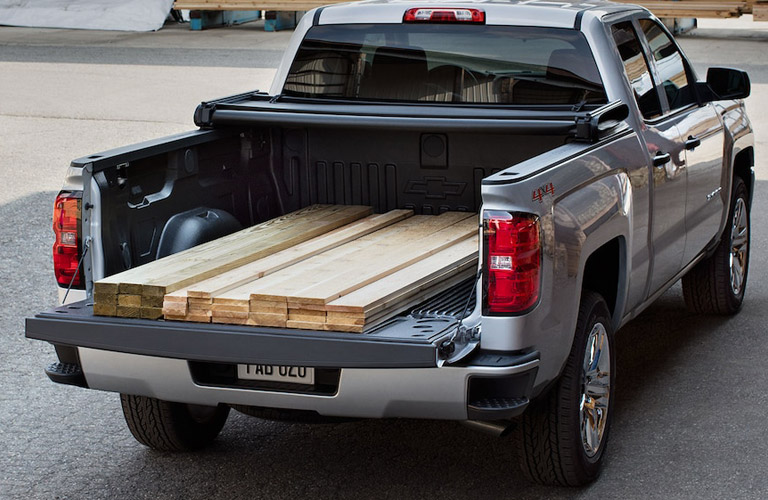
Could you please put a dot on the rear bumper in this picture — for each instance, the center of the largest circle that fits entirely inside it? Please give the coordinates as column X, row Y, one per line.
column 436, row 393
column 396, row 371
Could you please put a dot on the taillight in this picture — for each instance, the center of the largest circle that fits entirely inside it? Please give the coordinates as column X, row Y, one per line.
column 512, row 262
column 67, row 248
column 444, row 15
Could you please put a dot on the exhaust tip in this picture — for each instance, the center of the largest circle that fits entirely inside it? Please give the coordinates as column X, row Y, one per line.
column 498, row 428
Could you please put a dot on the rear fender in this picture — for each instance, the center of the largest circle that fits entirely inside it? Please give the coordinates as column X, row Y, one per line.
column 587, row 200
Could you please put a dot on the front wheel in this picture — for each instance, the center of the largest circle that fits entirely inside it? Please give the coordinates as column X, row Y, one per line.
column 717, row 284
column 561, row 439
column 167, row 426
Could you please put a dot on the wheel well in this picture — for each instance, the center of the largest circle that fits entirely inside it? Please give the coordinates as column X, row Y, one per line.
column 601, row 273
column 742, row 166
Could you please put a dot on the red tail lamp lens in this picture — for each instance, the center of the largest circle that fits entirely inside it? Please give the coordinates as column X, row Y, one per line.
column 444, row 15
column 66, row 248
column 512, row 262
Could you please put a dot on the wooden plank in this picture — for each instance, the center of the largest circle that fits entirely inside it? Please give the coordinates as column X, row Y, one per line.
column 230, row 314
column 178, row 296
column 199, row 300
column 129, row 300
column 384, row 313
column 199, row 308
column 272, row 286
column 265, row 319
column 129, row 288
column 230, row 321
column 197, row 318
column 279, row 306
column 305, row 325
column 170, row 317
column 151, row 312
column 334, row 318
column 203, row 261
column 376, row 266
column 760, row 13
column 174, row 309
column 151, row 302
column 306, row 315
column 229, row 252
column 290, row 256
column 414, row 297
column 128, row 312
column 105, row 299
column 103, row 289
column 343, row 328
column 318, row 280
column 309, row 307
column 230, row 307
column 425, row 273
column 105, row 309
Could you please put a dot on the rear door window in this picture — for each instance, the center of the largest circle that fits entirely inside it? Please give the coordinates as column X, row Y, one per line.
column 636, row 69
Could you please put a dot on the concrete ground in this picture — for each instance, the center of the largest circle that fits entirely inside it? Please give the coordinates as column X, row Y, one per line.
column 691, row 401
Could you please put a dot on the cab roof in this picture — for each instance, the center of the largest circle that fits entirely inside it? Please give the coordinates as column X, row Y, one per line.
column 497, row 12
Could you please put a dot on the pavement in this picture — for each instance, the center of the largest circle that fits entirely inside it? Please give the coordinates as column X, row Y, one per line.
column 691, row 391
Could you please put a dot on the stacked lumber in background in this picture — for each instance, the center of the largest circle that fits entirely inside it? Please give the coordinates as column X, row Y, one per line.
column 661, row 8
column 139, row 292
column 283, row 5
column 705, row 8
column 313, row 269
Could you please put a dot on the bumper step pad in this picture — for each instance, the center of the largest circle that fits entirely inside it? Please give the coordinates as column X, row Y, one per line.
column 66, row 373
column 496, row 408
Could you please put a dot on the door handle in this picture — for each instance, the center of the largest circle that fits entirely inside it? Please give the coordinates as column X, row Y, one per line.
column 661, row 159
column 692, row 143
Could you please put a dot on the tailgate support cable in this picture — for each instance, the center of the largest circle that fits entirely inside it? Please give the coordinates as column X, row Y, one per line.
column 86, row 245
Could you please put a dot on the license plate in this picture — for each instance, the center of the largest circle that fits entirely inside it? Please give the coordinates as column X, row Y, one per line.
column 276, row 373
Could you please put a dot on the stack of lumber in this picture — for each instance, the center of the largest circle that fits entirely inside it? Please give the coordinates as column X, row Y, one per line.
column 704, row 8
column 352, row 285
column 139, row 292
column 344, row 278
column 285, row 5
column 661, row 8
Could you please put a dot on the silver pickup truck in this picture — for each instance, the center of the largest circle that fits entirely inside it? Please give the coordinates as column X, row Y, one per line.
column 602, row 171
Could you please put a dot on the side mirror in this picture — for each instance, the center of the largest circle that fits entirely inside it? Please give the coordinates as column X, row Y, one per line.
column 728, row 83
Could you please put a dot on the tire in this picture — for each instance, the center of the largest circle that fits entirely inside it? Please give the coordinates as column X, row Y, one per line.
column 166, row 426
column 556, row 443
column 717, row 284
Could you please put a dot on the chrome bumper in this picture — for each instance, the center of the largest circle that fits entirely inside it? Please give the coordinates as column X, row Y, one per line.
column 435, row 393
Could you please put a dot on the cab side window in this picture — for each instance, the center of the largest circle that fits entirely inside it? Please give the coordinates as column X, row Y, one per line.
column 636, row 69
column 669, row 65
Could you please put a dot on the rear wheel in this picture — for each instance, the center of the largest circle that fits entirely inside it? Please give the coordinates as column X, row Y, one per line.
column 562, row 438
column 717, row 284
column 166, row 426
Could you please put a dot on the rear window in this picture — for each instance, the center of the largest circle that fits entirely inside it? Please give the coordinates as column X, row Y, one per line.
column 445, row 63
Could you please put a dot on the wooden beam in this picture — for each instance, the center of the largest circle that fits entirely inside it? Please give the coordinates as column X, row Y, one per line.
column 179, row 270
column 290, row 256
column 328, row 276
